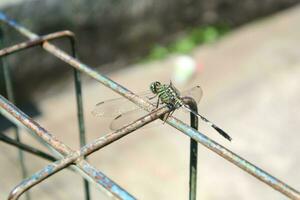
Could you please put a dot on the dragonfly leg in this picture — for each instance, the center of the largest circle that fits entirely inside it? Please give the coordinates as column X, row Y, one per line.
column 157, row 103
column 171, row 113
column 168, row 115
column 150, row 98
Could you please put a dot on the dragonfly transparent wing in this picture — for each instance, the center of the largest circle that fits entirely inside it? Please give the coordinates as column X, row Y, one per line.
column 117, row 106
column 128, row 117
column 196, row 93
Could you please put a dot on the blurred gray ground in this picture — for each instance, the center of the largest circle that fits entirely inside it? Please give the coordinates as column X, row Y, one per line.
column 251, row 89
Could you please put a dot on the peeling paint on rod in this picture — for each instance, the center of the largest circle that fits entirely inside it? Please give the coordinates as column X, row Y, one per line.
column 199, row 137
column 86, row 150
column 38, row 41
column 112, row 189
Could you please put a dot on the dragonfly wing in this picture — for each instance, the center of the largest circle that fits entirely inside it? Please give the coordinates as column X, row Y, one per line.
column 117, row 106
column 113, row 107
column 196, row 93
column 129, row 117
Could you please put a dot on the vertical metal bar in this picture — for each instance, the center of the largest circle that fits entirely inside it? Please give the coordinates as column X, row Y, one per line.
column 193, row 169
column 10, row 96
column 193, row 150
column 80, row 117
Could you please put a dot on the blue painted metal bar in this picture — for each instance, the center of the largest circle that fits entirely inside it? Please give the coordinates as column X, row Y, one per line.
column 179, row 125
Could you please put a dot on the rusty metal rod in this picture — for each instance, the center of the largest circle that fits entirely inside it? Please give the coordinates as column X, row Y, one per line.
column 79, row 107
column 179, row 125
column 10, row 95
column 193, row 150
column 36, row 41
column 86, row 150
column 77, row 81
column 89, row 172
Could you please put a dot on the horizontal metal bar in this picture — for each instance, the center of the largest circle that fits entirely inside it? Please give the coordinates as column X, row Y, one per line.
column 26, row 148
column 36, row 41
column 86, row 150
column 89, row 172
column 179, row 125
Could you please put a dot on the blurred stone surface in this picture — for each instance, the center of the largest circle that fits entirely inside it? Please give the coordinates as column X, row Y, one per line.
column 114, row 31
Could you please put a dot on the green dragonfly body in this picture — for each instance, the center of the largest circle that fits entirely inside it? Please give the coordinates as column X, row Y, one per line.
column 170, row 96
column 167, row 95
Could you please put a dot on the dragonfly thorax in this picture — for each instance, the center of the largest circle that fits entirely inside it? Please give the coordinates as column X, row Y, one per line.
column 167, row 94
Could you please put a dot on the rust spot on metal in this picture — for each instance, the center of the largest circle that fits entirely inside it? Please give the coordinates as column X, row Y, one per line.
column 36, row 41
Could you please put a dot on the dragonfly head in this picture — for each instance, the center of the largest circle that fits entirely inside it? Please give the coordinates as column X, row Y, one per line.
column 154, row 86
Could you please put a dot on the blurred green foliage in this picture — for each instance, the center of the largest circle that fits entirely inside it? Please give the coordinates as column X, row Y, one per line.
column 192, row 38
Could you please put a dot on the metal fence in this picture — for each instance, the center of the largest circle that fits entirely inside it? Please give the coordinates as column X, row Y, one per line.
column 65, row 157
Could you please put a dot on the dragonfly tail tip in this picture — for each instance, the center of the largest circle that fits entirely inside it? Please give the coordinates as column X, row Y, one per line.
column 225, row 135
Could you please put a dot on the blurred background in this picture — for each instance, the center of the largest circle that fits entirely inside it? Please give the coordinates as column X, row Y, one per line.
column 244, row 54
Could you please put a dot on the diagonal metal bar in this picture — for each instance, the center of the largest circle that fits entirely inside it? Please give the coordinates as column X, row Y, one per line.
column 179, row 125
column 86, row 150
column 89, row 172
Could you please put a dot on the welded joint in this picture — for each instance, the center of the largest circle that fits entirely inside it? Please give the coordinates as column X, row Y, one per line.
column 37, row 41
column 77, row 157
column 86, row 170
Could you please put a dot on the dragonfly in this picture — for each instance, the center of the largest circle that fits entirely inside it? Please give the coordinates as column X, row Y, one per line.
column 124, row 111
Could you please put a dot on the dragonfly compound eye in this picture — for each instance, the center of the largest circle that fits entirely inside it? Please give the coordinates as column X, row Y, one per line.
column 154, row 85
